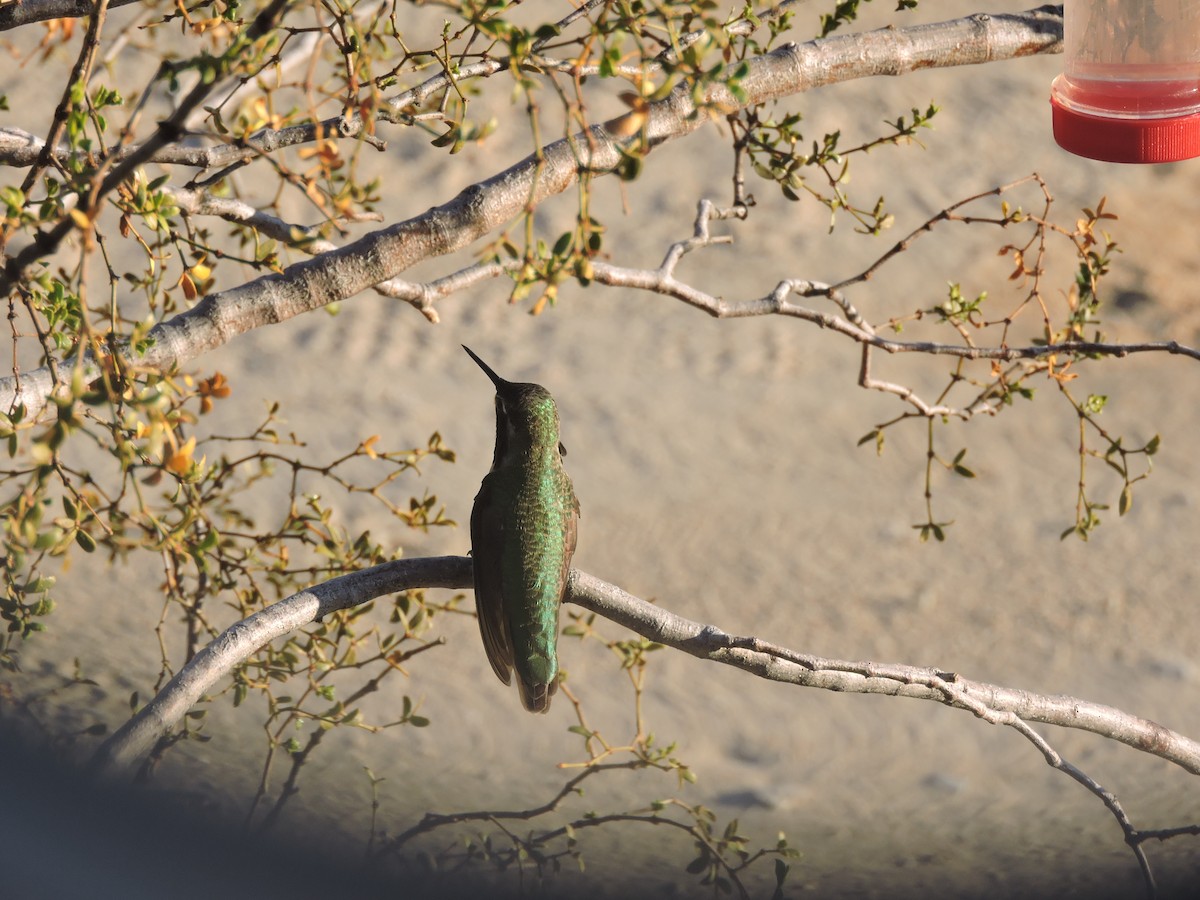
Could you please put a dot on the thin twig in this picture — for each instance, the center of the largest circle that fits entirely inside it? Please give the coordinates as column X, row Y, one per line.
column 992, row 703
column 706, row 641
column 504, row 197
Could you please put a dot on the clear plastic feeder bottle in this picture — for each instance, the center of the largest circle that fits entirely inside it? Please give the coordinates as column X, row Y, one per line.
column 1130, row 88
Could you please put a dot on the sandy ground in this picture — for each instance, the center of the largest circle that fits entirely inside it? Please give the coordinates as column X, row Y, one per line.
column 718, row 474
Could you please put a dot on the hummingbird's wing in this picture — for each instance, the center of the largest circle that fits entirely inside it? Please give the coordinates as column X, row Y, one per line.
column 487, row 537
column 572, row 536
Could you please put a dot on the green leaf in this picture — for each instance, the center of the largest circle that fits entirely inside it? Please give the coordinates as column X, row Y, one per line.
column 447, row 139
column 47, row 539
column 877, row 436
column 629, row 168
column 210, row 541
column 1126, row 500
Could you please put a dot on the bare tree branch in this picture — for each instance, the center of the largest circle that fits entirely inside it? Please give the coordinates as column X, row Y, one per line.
column 82, row 72
column 18, row 148
column 851, row 323
column 422, row 296
column 992, row 703
column 113, row 172
column 242, row 639
column 490, row 204
column 1132, row 836
column 26, row 12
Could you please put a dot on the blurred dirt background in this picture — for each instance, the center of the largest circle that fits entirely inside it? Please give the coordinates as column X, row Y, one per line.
column 718, row 473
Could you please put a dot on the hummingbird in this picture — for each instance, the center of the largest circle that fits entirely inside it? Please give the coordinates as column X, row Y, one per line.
column 523, row 531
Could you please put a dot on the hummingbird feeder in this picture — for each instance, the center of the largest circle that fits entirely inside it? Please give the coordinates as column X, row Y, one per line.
column 1130, row 87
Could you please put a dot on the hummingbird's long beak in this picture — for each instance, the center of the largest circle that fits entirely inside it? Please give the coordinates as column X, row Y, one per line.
column 496, row 379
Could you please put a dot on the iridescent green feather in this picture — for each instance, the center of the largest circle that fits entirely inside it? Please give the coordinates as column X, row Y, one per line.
column 523, row 533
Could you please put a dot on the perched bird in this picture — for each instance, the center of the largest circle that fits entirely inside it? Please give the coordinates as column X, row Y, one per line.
column 523, row 530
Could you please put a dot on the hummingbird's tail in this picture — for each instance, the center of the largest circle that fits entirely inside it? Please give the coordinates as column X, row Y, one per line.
column 535, row 696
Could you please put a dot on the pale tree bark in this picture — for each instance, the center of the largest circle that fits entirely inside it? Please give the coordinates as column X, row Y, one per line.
column 990, row 702
column 26, row 12
column 493, row 202
column 995, row 704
